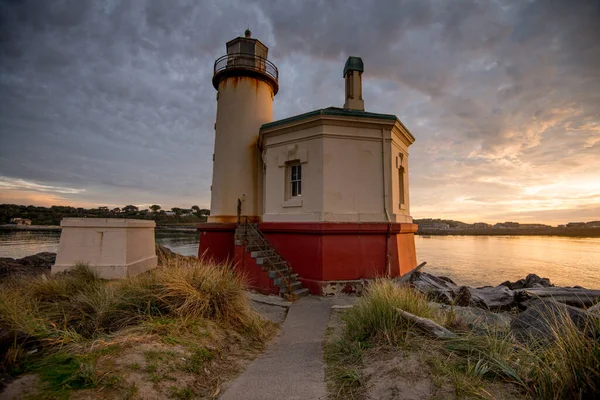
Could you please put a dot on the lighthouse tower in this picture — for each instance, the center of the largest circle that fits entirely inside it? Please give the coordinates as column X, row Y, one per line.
column 246, row 83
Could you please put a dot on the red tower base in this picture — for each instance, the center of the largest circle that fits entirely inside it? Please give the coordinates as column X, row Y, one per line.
column 329, row 258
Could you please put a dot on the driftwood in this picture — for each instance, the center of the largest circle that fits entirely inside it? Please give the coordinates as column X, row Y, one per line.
column 406, row 278
column 542, row 319
column 503, row 297
column 427, row 325
column 498, row 298
column 577, row 297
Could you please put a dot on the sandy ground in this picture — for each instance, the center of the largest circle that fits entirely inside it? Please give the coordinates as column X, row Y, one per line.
column 142, row 378
column 392, row 373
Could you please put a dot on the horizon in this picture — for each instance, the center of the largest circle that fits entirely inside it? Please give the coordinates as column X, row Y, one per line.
column 146, row 207
column 111, row 103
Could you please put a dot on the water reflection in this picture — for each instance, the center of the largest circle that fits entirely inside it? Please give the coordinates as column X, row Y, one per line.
column 469, row 260
column 182, row 243
column 489, row 260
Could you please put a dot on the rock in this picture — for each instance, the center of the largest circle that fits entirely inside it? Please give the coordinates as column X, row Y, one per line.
column 530, row 281
column 478, row 320
column 30, row 265
column 444, row 290
column 6, row 264
column 437, row 289
column 542, row 318
column 533, row 279
column 594, row 310
column 39, row 260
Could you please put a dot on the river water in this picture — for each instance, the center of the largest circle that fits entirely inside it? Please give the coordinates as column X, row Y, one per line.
column 468, row 260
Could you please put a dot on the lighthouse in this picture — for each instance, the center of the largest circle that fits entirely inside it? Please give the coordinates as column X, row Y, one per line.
column 246, row 83
column 313, row 202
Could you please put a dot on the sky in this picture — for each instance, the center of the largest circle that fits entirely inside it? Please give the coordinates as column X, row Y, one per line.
column 108, row 102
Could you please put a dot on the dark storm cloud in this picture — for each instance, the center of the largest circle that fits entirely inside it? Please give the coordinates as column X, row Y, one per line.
column 114, row 98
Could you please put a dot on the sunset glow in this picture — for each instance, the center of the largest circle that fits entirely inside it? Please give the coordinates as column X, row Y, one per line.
column 111, row 103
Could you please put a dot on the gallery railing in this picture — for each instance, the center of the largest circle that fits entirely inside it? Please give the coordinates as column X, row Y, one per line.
column 246, row 61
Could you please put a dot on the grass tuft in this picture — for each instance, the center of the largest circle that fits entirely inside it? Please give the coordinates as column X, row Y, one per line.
column 375, row 316
column 182, row 302
column 565, row 365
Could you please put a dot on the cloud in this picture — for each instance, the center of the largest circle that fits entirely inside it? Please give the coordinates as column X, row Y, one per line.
column 114, row 98
column 20, row 184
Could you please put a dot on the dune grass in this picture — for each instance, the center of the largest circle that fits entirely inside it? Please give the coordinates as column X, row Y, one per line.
column 375, row 318
column 371, row 323
column 183, row 302
column 564, row 366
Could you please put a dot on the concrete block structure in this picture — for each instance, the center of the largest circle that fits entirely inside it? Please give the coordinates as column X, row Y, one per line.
column 114, row 248
column 322, row 196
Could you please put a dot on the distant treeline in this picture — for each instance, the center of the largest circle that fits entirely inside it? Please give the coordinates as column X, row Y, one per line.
column 53, row 215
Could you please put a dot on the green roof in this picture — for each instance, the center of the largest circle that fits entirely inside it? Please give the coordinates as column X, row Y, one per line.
column 341, row 112
column 354, row 64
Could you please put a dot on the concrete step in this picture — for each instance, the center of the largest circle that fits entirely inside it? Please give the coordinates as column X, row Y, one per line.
column 253, row 247
column 262, row 254
column 293, row 286
column 300, row 292
column 256, row 242
column 280, row 265
column 277, row 278
column 273, row 260
column 278, row 273
column 278, row 281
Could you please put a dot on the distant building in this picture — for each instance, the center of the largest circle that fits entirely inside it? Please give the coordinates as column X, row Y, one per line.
column 507, row 225
column 534, row 226
column 20, row 221
column 434, row 225
column 593, row 224
column 576, row 225
column 481, row 225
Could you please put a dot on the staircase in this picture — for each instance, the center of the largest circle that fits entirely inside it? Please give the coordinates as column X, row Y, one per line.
column 247, row 234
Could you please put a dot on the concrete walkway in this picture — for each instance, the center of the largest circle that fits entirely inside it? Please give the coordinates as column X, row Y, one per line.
column 292, row 366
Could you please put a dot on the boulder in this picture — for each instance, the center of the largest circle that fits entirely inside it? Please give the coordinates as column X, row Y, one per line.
column 594, row 310
column 39, row 260
column 30, row 265
column 530, row 281
column 543, row 318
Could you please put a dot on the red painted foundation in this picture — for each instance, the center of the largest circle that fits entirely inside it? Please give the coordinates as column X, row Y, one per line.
column 255, row 277
column 217, row 241
column 329, row 257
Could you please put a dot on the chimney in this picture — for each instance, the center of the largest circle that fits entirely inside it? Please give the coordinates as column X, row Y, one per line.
column 353, row 75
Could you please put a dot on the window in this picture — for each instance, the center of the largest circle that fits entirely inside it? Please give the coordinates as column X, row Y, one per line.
column 295, row 180
column 401, row 185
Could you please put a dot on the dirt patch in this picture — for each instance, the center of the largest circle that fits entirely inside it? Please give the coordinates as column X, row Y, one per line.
column 148, row 368
column 401, row 375
column 21, row 387
column 418, row 368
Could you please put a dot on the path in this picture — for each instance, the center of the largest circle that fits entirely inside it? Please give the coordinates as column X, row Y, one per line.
column 292, row 366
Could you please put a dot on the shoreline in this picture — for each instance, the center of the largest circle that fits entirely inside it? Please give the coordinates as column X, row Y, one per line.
column 57, row 228
column 559, row 232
